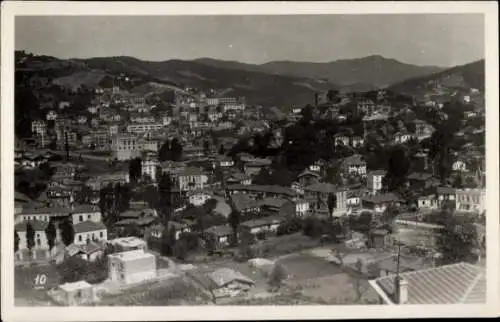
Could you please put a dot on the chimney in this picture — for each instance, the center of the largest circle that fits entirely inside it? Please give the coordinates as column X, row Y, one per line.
column 401, row 290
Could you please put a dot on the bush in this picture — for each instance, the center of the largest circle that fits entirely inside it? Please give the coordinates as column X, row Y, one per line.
column 290, row 226
column 261, row 235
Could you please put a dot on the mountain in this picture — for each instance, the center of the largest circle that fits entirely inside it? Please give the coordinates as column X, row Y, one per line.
column 258, row 87
column 462, row 77
column 365, row 73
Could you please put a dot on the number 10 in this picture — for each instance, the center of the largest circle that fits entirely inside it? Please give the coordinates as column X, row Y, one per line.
column 40, row 279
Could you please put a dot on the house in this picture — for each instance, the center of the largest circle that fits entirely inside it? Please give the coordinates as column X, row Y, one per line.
column 308, row 177
column 367, row 107
column 302, row 207
column 341, row 140
column 124, row 244
column 422, row 180
column 89, row 230
column 380, row 238
column 252, row 166
column 198, row 198
column 243, row 204
column 459, row 166
column 224, row 162
column 227, row 282
column 379, row 203
column 149, row 168
column 445, row 194
column 238, row 178
column 374, row 180
column 354, row 197
column 354, row 165
column 272, row 205
column 221, row 234
column 74, row 294
column 357, row 141
column 40, row 250
column 103, row 180
column 423, row 129
column 191, row 178
column 471, row 200
column 130, row 267
column 460, row 283
column 427, row 202
column 402, row 137
column 51, row 115
column 318, row 194
column 389, row 265
column 262, row 191
column 89, row 251
column 262, row 225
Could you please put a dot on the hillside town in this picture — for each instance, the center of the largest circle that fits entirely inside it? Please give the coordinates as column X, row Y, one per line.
column 184, row 196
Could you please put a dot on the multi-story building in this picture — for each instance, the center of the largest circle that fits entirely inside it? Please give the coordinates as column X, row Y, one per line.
column 374, row 180
column 131, row 267
column 101, row 181
column 101, row 139
column 192, row 179
column 213, row 101
column 144, row 127
column 125, row 146
column 142, row 118
column 354, row 165
column 89, row 230
column 471, row 200
column 149, row 167
column 39, row 127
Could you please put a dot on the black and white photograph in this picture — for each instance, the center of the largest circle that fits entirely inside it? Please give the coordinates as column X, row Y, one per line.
column 307, row 159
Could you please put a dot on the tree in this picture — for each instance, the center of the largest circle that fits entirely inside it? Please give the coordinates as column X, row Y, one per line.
column 30, row 237
column 278, row 275
column 164, row 153
column 358, row 280
column 165, row 200
column 206, row 147
column 176, row 150
column 234, row 221
column 168, row 240
column 73, row 269
column 180, row 249
column 67, row 232
column 135, row 169
column 457, row 240
column 398, row 167
column 84, row 195
column 16, row 241
column 332, row 202
column 51, row 234
column 222, row 151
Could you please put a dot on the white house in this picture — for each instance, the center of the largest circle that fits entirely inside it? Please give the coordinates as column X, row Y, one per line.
column 89, row 230
column 471, row 200
column 460, row 166
column 302, row 207
column 198, row 198
column 131, row 267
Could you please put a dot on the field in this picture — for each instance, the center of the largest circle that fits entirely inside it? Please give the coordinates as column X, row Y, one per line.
column 282, row 245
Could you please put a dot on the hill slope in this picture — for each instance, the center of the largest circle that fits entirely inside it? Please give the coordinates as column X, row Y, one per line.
column 368, row 72
column 460, row 77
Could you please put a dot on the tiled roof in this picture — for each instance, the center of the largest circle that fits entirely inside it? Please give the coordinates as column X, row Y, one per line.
column 262, row 221
column 308, row 172
column 356, row 159
column 387, row 197
column 87, row 226
column 446, row 190
column 450, row 284
column 263, row 188
column 224, row 276
column 419, row 176
column 221, row 230
column 191, row 171
column 37, row 225
column 273, row 202
column 378, row 172
column 322, row 187
column 241, row 201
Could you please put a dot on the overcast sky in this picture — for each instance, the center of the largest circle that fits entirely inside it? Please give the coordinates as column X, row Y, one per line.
column 443, row 40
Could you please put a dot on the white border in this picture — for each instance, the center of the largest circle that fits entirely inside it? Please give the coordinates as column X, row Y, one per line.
column 11, row 313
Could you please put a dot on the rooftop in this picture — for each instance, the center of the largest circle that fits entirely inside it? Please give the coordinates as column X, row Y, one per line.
column 70, row 287
column 387, row 197
column 37, row 225
column 322, row 187
column 87, row 226
column 460, row 283
column 224, row 276
column 132, row 255
column 127, row 241
column 241, row 201
column 221, row 230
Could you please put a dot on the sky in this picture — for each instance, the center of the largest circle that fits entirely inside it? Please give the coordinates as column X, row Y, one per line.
column 423, row 39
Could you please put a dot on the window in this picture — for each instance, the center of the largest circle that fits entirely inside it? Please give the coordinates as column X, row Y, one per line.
column 81, row 217
column 88, row 217
column 38, row 242
column 101, row 234
column 79, row 237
